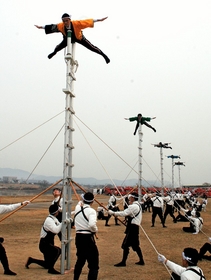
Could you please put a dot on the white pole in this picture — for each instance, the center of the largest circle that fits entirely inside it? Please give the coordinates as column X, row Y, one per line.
column 179, row 176
column 140, row 133
column 161, row 165
column 68, row 147
column 172, row 173
column 179, row 164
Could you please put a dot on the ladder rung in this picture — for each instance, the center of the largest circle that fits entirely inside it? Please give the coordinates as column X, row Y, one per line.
column 68, row 56
column 67, row 91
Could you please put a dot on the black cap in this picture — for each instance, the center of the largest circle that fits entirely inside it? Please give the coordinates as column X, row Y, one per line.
column 191, row 255
column 65, row 16
column 134, row 195
column 53, row 209
column 88, row 197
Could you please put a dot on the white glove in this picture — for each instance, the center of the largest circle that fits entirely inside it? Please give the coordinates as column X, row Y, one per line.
column 69, row 220
column 161, row 258
column 26, row 202
column 110, row 212
column 209, row 239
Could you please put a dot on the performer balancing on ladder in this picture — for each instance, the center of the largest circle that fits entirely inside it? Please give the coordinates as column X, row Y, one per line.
column 141, row 120
column 77, row 36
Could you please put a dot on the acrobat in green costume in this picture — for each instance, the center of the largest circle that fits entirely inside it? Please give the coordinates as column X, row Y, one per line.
column 141, row 120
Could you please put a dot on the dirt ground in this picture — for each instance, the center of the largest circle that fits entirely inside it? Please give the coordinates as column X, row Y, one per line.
column 21, row 233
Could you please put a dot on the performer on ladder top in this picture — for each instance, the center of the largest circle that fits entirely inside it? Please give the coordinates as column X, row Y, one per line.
column 163, row 145
column 141, row 120
column 77, row 36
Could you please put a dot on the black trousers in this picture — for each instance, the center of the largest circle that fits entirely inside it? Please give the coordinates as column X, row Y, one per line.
column 157, row 211
column 131, row 240
column 189, row 229
column 86, row 251
column 169, row 210
column 50, row 252
column 84, row 42
column 115, row 209
column 174, row 276
column 205, row 248
column 3, row 258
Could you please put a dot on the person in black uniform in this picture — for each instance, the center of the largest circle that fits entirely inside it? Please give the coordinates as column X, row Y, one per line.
column 169, row 207
column 51, row 253
column 134, row 218
column 114, row 207
column 157, row 208
column 86, row 227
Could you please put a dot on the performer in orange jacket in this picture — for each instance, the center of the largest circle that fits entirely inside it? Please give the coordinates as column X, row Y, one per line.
column 77, row 36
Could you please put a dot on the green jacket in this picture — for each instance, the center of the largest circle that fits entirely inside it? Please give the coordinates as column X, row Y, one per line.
column 143, row 119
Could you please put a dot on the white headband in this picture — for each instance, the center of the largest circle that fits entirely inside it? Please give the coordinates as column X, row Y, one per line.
column 55, row 212
column 86, row 199
column 132, row 196
column 186, row 258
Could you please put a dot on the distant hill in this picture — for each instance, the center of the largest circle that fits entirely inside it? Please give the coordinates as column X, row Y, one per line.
column 23, row 175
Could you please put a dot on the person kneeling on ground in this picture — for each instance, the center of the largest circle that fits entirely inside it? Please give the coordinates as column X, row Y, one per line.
column 189, row 268
column 51, row 253
column 134, row 214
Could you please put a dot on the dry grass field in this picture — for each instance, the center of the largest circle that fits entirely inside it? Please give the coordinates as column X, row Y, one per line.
column 21, row 233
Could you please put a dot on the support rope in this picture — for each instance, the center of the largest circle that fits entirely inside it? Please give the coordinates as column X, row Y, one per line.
column 30, row 131
column 110, row 148
column 35, row 197
column 42, row 156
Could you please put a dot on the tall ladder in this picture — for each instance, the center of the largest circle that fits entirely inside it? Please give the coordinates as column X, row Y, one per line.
column 140, row 156
column 71, row 67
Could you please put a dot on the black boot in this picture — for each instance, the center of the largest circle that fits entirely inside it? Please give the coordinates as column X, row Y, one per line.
column 92, row 274
column 39, row 262
column 141, row 260
column 51, row 55
column 5, row 262
column 9, row 272
column 124, row 258
column 116, row 222
column 77, row 272
column 106, row 58
column 107, row 219
column 53, row 271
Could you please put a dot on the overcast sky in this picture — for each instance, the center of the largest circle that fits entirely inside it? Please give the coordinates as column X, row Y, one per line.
column 160, row 66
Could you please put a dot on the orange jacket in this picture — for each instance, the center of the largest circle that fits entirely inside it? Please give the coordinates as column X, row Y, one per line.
column 77, row 26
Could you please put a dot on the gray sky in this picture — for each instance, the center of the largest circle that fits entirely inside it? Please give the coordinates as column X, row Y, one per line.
column 160, row 66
